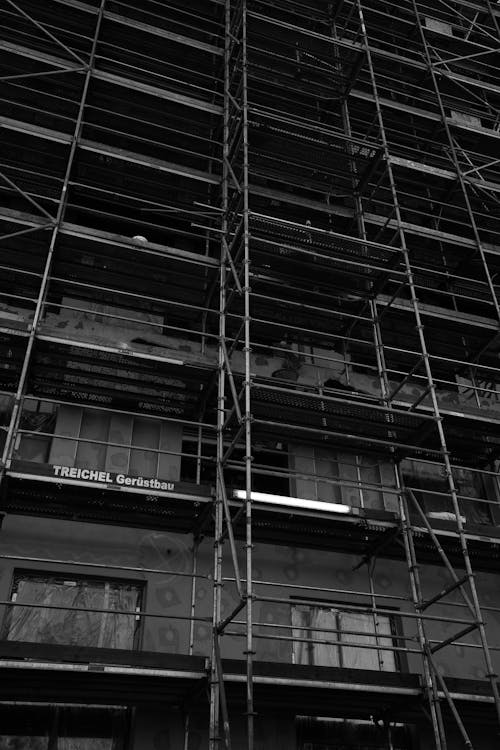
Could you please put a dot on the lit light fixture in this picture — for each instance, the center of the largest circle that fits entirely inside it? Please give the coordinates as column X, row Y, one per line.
column 292, row 502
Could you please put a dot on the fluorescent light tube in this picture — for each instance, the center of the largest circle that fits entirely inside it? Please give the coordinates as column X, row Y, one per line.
column 293, row 502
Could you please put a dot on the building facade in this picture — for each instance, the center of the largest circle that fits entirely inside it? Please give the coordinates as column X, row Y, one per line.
column 249, row 380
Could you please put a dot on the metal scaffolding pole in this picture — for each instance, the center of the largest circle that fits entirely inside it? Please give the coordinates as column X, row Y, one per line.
column 490, row 674
column 247, row 417
column 331, row 165
column 234, row 424
column 430, row 684
column 456, row 163
column 63, row 200
column 216, row 675
column 431, row 385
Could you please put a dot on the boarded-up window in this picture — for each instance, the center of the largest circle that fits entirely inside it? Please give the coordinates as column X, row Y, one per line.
column 94, row 439
column 336, row 477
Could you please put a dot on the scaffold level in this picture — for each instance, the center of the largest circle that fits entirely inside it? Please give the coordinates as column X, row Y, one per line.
column 249, row 259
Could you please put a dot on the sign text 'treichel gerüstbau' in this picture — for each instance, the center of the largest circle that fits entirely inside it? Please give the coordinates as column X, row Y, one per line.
column 106, row 477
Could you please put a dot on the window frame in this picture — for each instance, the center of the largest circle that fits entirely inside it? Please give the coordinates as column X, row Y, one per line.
column 62, row 576
column 79, row 420
column 131, row 448
column 432, row 491
column 395, row 622
column 341, row 485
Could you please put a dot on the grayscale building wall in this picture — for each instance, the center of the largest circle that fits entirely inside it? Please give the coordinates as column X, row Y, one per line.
column 249, row 383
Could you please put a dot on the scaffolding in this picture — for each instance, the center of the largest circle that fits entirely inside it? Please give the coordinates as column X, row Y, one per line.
column 266, row 231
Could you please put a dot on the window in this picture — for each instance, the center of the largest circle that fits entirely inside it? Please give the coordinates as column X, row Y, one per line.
column 69, row 616
column 38, row 420
column 429, row 485
column 268, row 458
column 321, row 632
column 329, row 476
column 110, row 441
column 480, row 391
column 62, row 728
column 315, row 733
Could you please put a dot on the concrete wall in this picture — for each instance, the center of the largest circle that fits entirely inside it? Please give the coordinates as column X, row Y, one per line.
column 94, row 545
column 291, row 567
column 170, row 594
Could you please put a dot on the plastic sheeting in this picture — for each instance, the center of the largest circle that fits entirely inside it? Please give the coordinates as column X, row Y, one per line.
column 317, row 646
column 71, row 626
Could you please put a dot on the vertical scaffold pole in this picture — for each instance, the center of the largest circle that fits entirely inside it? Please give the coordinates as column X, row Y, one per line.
column 192, row 613
column 455, row 161
column 247, row 417
column 426, row 362
column 476, row 607
column 431, row 688
column 235, row 265
column 215, row 676
column 61, row 210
